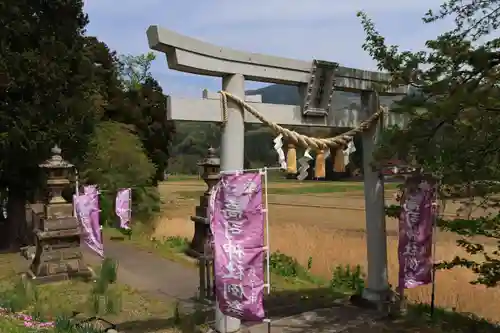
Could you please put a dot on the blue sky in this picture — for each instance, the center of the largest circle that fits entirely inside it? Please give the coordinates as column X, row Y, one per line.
column 311, row 29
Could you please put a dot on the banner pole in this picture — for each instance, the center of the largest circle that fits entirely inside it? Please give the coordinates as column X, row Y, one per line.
column 434, row 241
column 130, row 212
column 433, row 291
column 77, row 182
column 401, row 284
column 267, row 234
column 75, row 197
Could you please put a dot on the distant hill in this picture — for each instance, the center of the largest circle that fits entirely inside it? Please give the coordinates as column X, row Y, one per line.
column 289, row 95
column 277, row 94
column 192, row 139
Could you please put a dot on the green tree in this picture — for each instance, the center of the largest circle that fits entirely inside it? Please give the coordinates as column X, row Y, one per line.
column 148, row 110
column 47, row 93
column 135, row 70
column 454, row 128
column 116, row 159
column 107, row 77
column 144, row 107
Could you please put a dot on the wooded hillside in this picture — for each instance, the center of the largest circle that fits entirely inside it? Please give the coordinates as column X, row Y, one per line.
column 192, row 139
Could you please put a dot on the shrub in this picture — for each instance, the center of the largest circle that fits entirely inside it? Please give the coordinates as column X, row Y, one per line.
column 104, row 298
column 116, row 159
column 348, row 278
column 286, row 266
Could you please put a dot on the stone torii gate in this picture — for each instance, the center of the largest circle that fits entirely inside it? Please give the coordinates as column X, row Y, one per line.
column 316, row 81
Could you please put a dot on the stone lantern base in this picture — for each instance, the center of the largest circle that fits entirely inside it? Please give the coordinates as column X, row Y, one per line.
column 57, row 254
column 201, row 232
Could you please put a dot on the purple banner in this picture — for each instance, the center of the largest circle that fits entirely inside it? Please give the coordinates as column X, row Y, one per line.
column 87, row 212
column 123, row 207
column 237, row 222
column 416, row 224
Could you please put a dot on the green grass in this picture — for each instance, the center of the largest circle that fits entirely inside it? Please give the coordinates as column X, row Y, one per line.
column 182, row 178
column 316, row 189
column 171, row 248
column 278, row 177
column 60, row 300
column 273, row 176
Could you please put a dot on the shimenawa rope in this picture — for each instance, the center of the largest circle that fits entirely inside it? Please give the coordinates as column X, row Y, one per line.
column 296, row 138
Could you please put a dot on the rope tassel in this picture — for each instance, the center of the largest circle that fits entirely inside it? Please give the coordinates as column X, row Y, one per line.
column 278, row 146
column 348, row 151
column 304, row 164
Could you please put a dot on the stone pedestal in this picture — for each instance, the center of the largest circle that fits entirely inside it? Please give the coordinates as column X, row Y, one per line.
column 56, row 255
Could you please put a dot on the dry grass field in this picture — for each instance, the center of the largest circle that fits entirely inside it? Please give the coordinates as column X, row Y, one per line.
column 333, row 236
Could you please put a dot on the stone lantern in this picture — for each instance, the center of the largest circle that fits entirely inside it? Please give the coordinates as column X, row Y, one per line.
column 58, row 173
column 211, row 175
column 57, row 254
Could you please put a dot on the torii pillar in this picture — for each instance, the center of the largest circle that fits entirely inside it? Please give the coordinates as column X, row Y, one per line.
column 317, row 82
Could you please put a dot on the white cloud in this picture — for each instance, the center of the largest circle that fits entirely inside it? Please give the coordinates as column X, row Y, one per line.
column 321, row 29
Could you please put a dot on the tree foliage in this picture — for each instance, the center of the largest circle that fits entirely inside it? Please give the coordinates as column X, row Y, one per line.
column 149, row 118
column 56, row 86
column 135, row 70
column 47, row 85
column 116, row 159
column 473, row 19
column 144, row 107
column 49, row 94
column 107, row 77
column 454, row 128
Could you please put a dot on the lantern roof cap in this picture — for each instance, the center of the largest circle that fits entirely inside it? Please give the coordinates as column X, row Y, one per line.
column 56, row 161
column 211, row 159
